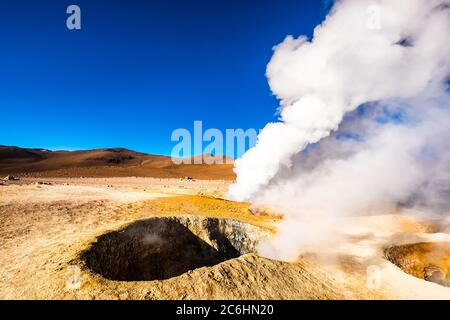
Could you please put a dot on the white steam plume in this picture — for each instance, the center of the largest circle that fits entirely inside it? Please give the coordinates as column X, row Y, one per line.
column 369, row 103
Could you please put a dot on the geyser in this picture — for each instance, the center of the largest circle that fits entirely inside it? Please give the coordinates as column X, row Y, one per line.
column 162, row 248
column 363, row 121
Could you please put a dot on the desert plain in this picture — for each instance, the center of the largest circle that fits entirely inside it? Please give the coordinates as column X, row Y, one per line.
column 72, row 238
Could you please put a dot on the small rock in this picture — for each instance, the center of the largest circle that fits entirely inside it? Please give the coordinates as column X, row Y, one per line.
column 255, row 210
column 44, row 183
column 11, row 178
column 435, row 274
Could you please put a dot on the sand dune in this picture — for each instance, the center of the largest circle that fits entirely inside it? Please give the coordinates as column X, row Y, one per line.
column 112, row 162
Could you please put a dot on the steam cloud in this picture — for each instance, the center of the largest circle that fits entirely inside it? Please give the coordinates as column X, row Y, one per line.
column 364, row 121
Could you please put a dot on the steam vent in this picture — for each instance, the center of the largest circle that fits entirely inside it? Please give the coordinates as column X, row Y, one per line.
column 162, row 248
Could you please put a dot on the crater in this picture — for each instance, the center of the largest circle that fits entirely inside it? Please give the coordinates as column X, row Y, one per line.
column 166, row 247
column 425, row 260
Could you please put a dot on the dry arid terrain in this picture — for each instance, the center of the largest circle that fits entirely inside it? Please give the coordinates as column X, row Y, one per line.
column 155, row 238
column 118, row 224
column 112, row 162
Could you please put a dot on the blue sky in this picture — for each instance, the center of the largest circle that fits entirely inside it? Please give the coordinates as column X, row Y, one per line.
column 137, row 70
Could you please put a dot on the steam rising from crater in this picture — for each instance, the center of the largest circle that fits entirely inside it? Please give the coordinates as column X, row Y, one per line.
column 364, row 121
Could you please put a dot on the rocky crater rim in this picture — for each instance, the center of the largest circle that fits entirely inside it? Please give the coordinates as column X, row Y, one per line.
column 425, row 260
column 160, row 248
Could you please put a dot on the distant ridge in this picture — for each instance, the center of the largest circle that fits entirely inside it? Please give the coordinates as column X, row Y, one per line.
column 106, row 162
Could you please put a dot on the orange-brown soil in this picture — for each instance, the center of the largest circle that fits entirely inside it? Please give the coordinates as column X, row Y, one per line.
column 113, row 162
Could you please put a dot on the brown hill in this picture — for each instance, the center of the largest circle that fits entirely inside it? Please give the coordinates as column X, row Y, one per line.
column 112, row 162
